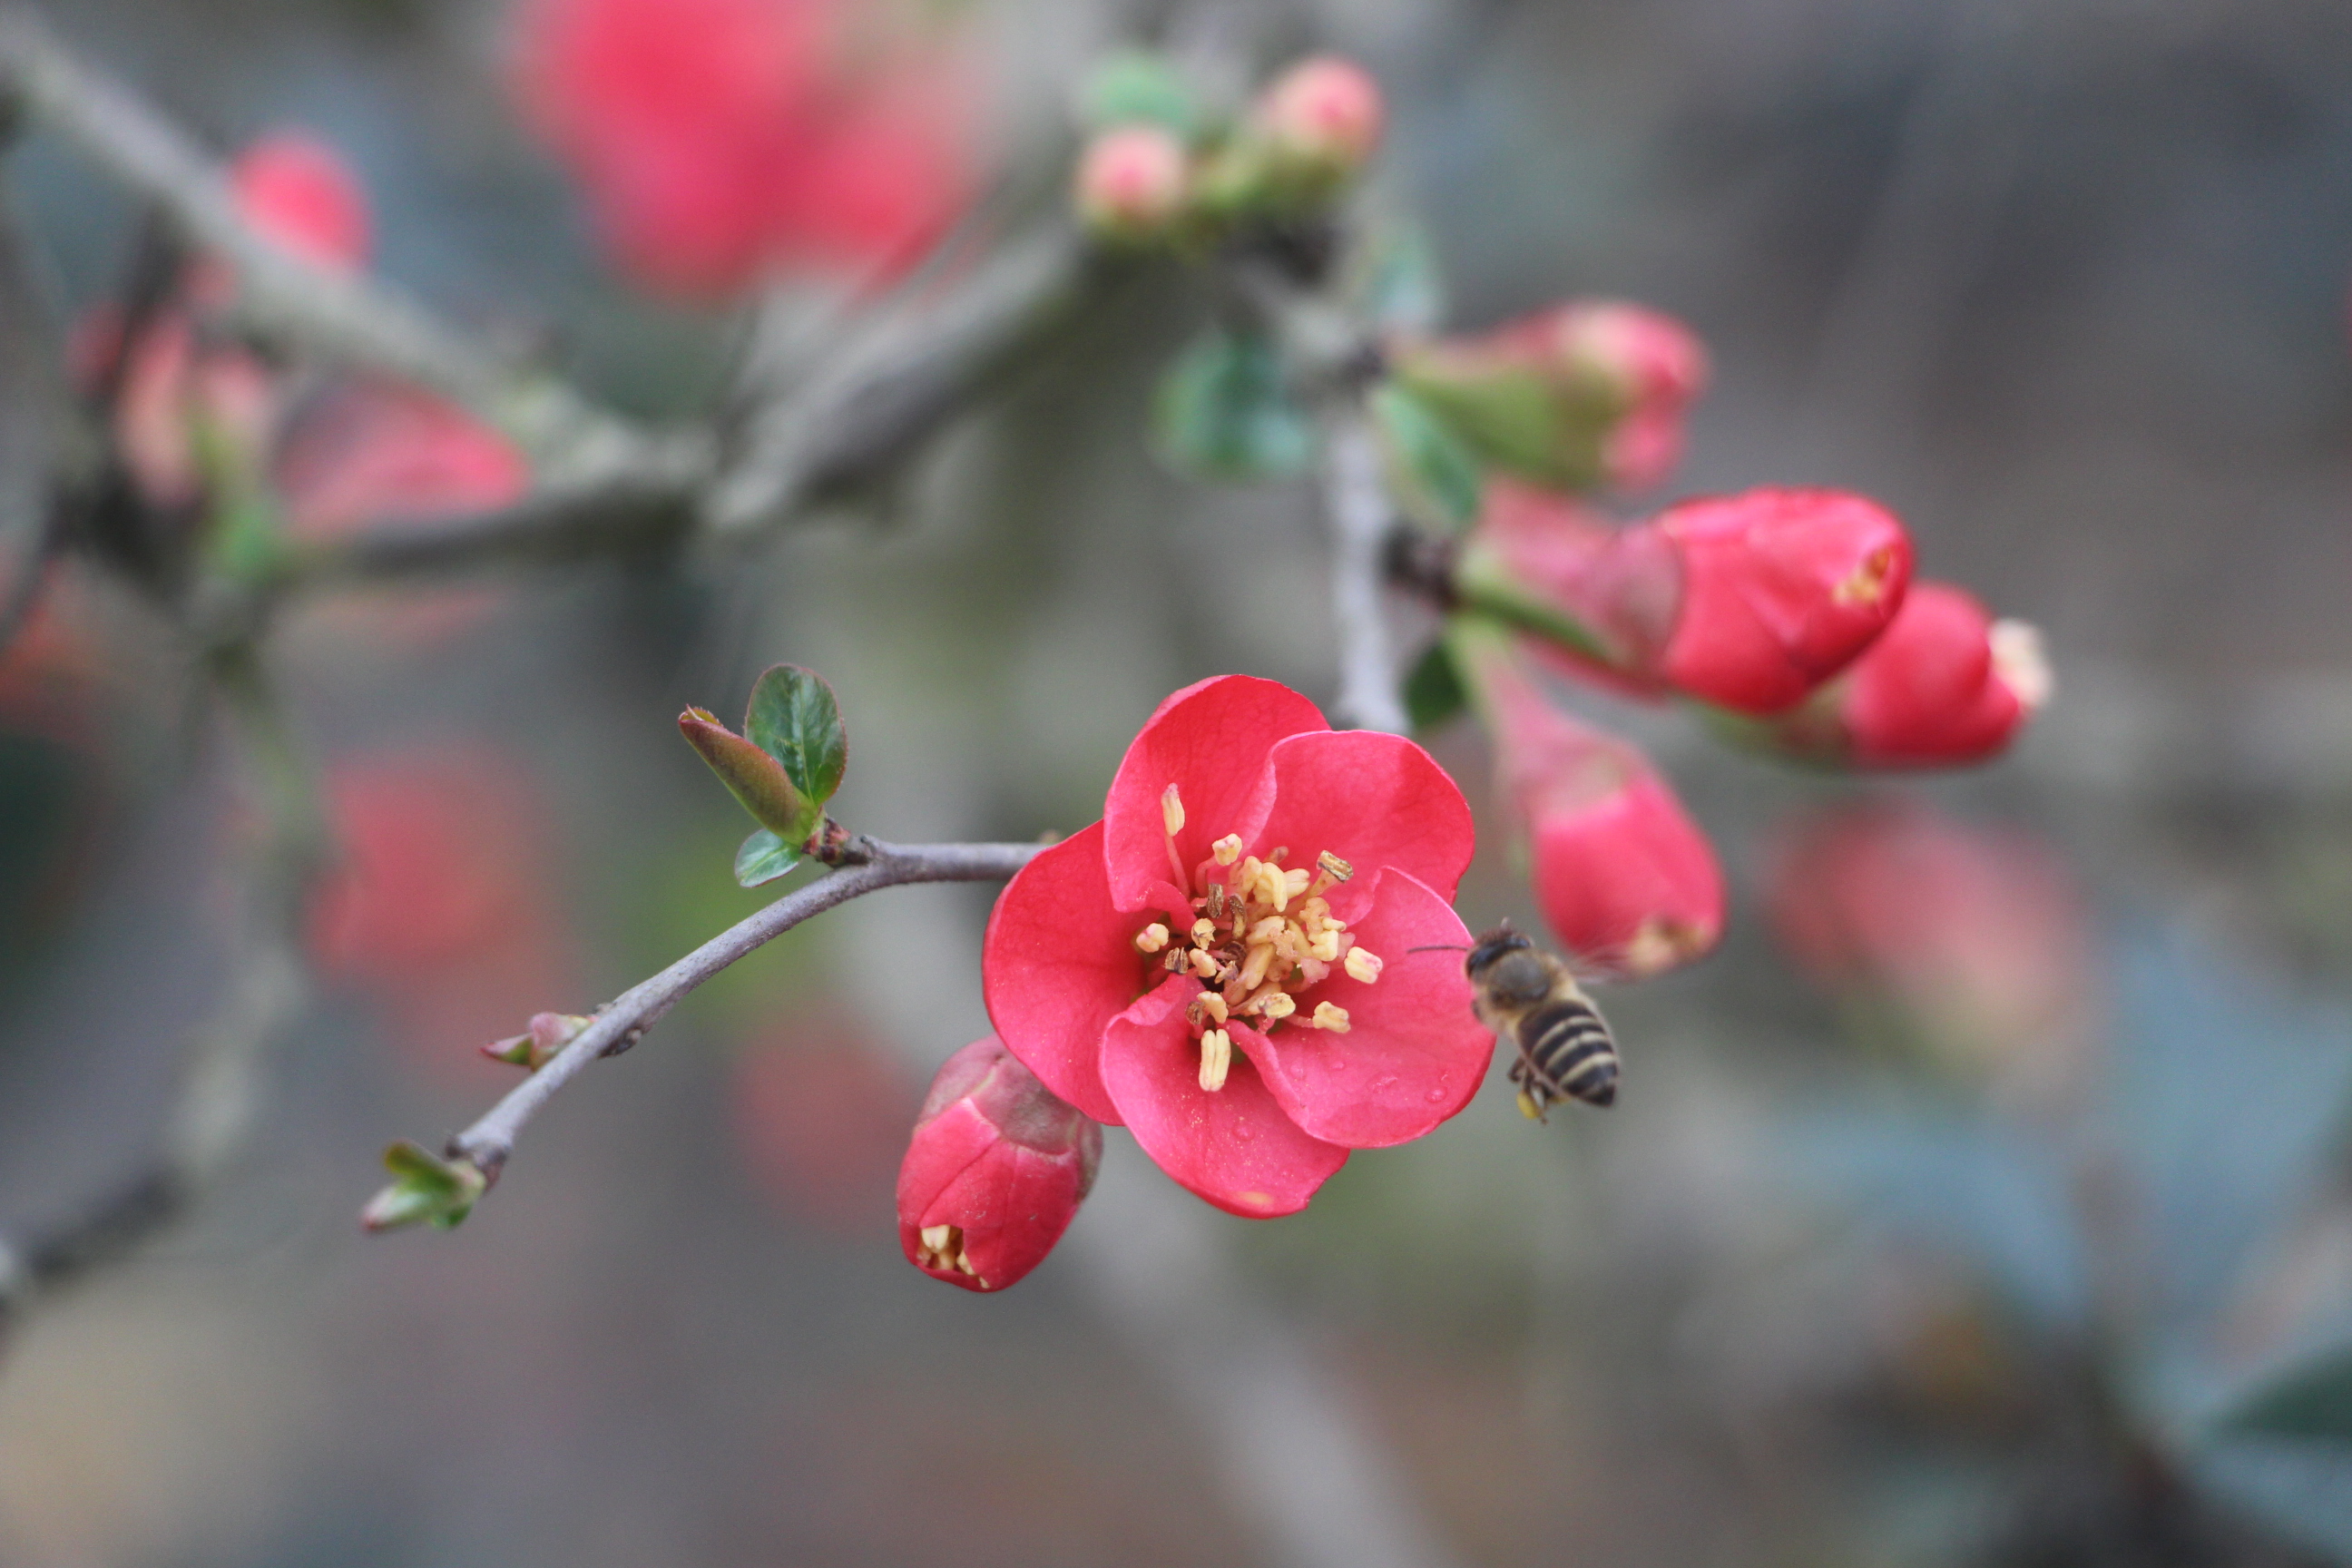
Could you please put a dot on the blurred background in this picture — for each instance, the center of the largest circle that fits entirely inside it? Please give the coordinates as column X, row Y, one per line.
column 1960, row 1210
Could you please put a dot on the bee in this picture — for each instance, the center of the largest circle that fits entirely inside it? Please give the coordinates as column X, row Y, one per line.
column 1529, row 997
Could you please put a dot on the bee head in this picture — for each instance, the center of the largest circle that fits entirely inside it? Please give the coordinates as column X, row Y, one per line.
column 1491, row 948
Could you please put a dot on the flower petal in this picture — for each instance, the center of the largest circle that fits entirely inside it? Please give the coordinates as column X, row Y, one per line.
column 1211, row 741
column 1234, row 1147
column 1057, row 964
column 1415, row 1052
column 1377, row 801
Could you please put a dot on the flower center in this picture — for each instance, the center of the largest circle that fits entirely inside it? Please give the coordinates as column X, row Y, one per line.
column 1255, row 935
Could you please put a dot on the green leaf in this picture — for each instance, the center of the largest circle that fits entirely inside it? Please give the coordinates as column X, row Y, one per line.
column 1433, row 692
column 763, row 858
column 425, row 1189
column 794, row 719
column 1436, row 476
column 1395, row 282
column 755, row 778
column 1225, row 413
column 2312, row 1400
column 1133, row 88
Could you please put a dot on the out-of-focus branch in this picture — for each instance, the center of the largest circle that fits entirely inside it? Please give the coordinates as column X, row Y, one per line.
column 357, row 320
column 1357, row 504
column 899, row 376
column 867, row 866
column 220, row 1080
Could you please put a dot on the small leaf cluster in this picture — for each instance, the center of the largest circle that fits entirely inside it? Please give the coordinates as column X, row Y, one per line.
column 784, row 766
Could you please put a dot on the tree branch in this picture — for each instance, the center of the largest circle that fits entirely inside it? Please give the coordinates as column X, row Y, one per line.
column 1357, row 505
column 873, row 866
column 357, row 320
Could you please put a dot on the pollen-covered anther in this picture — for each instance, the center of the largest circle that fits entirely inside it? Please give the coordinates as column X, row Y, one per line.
column 1204, row 931
column 1274, row 1004
column 1361, row 966
column 1152, row 938
column 1216, row 1060
column 1226, row 850
column 1172, row 810
column 942, row 1247
column 1868, row 583
column 1259, row 959
column 1331, row 1015
column 1205, row 964
column 1331, row 866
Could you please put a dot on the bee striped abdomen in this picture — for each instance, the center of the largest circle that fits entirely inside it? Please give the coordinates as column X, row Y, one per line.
column 1566, row 1052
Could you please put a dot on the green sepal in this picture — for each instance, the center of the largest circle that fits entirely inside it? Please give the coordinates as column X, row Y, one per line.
column 794, row 719
column 1484, row 583
column 1225, row 412
column 1547, row 427
column 764, row 858
column 1394, row 281
column 1435, row 477
column 425, row 1189
column 1434, row 692
column 1137, row 88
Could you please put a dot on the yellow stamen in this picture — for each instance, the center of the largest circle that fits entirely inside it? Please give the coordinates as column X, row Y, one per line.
column 1296, row 881
column 1325, row 946
column 1363, row 966
column 1152, row 938
column 1226, row 850
column 1331, row 866
column 1332, row 1017
column 1203, row 932
column 1267, row 930
column 1172, row 810
column 1274, row 1004
column 1868, row 583
column 1216, row 1060
column 1214, row 1006
column 1205, row 964
column 1255, row 964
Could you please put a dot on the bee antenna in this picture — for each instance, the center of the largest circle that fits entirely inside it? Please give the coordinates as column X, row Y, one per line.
column 1441, row 947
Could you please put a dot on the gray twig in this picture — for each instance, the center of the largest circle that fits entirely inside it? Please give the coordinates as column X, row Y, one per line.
column 489, row 1140
column 1356, row 502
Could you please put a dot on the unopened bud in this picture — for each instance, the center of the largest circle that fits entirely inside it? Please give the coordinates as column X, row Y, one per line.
column 1624, row 878
column 548, row 1034
column 1323, row 114
column 753, row 777
column 996, row 1169
column 1780, row 590
column 1944, row 685
column 1132, row 182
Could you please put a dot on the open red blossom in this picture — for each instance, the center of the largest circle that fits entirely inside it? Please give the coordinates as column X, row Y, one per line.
column 1782, row 589
column 720, row 139
column 1224, row 962
column 1945, row 684
column 996, row 1169
column 1624, row 878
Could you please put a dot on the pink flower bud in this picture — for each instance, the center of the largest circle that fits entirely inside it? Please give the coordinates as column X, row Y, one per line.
column 1322, row 113
column 1587, row 392
column 1133, row 182
column 1782, row 589
column 997, row 1167
column 299, row 191
column 1945, row 684
column 1624, row 878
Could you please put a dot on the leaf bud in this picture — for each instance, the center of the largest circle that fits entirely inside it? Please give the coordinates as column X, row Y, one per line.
column 994, row 1172
column 752, row 775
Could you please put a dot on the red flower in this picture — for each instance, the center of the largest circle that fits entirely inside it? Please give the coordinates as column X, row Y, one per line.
column 720, row 138
column 299, row 191
column 1223, row 962
column 995, row 1170
column 1782, row 589
column 1945, row 684
column 1974, row 943
column 376, row 453
column 1624, row 878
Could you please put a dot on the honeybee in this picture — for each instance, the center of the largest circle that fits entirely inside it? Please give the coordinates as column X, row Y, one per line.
column 1529, row 997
